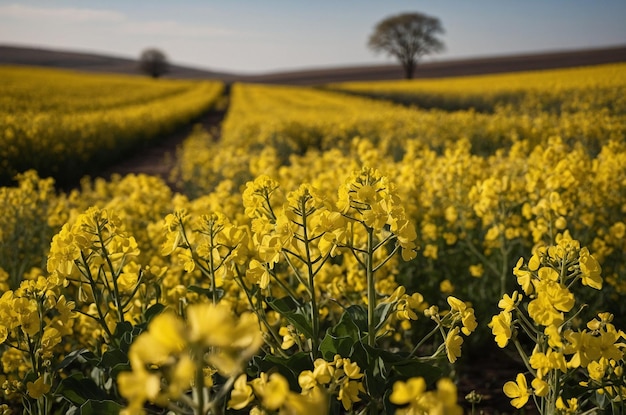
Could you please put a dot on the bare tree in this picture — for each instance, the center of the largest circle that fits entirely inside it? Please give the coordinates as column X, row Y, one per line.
column 153, row 62
column 407, row 37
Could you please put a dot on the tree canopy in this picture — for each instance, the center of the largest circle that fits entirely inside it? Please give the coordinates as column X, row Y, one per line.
column 407, row 37
column 153, row 62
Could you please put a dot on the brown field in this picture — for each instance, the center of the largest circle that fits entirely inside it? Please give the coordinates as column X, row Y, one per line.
column 444, row 68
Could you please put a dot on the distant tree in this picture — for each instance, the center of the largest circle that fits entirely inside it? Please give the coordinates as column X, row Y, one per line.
column 407, row 37
column 153, row 62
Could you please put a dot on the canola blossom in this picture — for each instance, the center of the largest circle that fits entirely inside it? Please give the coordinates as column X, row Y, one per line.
column 332, row 254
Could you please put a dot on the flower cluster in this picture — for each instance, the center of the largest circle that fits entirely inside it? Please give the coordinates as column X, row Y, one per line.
column 414, row 398
column 34, row 321
column 546, row 310
column 271, row 394
column 173, row 356
column 340, row 377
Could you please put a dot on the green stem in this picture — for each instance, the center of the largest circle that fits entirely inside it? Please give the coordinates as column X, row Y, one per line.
column 371, row 289
column 428, row 336
column 116, row 292
column 382, row 264
column 261, row 316
column 504, row 271
column 482, row 257
column 199, row 383
column 96, row 297
column 228, row 385
column 524, row 357
column 212, row 272
column 315, row 315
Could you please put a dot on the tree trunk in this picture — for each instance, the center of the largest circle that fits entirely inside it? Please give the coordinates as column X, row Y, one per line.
column 409, row 68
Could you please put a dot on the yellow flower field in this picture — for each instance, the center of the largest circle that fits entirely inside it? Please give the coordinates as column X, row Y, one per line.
column 331, row 254
column 62, row 123
column 590, row 88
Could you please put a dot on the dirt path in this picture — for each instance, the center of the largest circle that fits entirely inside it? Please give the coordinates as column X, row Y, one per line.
column 160, row 157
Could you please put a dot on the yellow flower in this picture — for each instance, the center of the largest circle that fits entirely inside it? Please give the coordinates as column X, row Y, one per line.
column 63, row 252
column 552, row 299
column 185, row 257
column 477, row 271
column 456, row 304
column 258, row 274
column 313, row 403
column 127, row 280
column 518, row 391
column 405, row 392
column 544, row 362
column 597, row 370
column 547, row 274
column 288, row 337
column 270, row 249
column 590, row 270
column 273, row 391
column 307, row 380
column 508, row 303
column 27, row 315
column 138, row 386
column 554, row 336
column 51, row 337
column 4, row 333
column 580, row 346
column 501, row 328
column 38, row 388
column 430, row 251
column 446, row 286
column 405, row 231
column 352, row 369
column 453, row 344
column 567, row 408
column 447, row 398
column 182, row 376
column 524, row 277
column 323, row 371
column 164, row 337
column 241, row 395
column 540, row 387
column 217, row 326
column 349, row 393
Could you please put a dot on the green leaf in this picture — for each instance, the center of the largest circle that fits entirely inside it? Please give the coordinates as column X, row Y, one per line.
column 123, row 335
column 601, row 400
column 294, row 312
column 410, row 368
column 93, row 407
column 115, row 361
column 79, row 356
column 359, row 355
column 332, row 345
column 347, row 328
column 290, row 367
column 389, row 408
column 153, row 311
column 358, row 315
column 78, row 389
column 382, row 313
column 122, row 328
column 207, row 292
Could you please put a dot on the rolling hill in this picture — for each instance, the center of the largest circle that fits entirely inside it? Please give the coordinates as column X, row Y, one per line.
column 510, row 63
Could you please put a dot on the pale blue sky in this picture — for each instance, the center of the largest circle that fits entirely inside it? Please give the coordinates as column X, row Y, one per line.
column 255, row 36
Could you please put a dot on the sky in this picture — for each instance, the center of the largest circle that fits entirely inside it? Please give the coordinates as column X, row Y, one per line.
column 262, row 36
